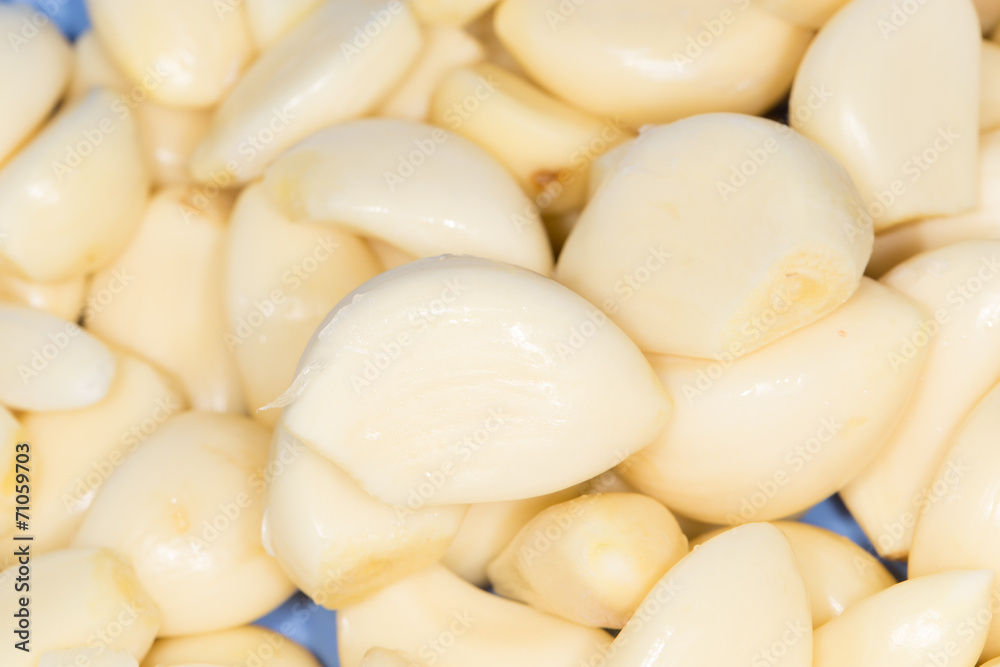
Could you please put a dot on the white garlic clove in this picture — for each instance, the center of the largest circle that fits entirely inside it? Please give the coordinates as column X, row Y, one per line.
column 63, row 299
column 270, row 20
column 246, row 646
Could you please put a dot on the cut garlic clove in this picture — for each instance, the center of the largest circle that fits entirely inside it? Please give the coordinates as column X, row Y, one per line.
column 654, row 61
column 450, row 12
column 531, row 389
column 959, row 286
column 64, row 299
column 281, row 281
column 940, row 619
column 746, row 578
column 87, row 657
column 419, row 188
column 336, row 66
column 337, row 543
column 685, row 245
column 959, row 526
column 989, row 86
column 591, row 560
column 93, row 68
column 237, row 646
column 169, row 136
column 442, row 620
column 77, row 597
column 906, row 132
column 270, row 20
column 383, row 657
column 71, row 199
column 185, row 53
column 47, row 363
column 804, row 415
column 186, row 509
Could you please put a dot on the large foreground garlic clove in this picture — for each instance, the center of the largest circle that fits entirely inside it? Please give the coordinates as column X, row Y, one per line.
column 281, row 281
column 809, row 13
column 185, row 53
column 64, row 299
column 685, row 245
column 746, row 578
column 75, row 597
column 804, row 415
column 440, row 619
column 959, row 286
column 247, row 646
column 337, row 543
column 87, row 657
column 186, row 508
column 35, row 67
column 545, row 143
column 907, row 130
column 422, row 189
column 940, row 619
column 163, row 297
column 450, row 12
column 47, row 363
column 654, row 61
column 270, row 20
column 464, row 380
column 337, row 65
column 169, row 136
column 591, row 560
column 93, row 68
column 960, row 525
column 383, row 657
column 72, row 198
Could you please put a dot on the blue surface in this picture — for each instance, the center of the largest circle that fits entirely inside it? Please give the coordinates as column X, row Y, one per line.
column 69, row 15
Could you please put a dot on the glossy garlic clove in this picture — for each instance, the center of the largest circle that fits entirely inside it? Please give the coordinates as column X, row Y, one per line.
column 249, row 645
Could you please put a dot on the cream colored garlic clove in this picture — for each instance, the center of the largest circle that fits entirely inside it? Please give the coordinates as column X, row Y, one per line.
column 186, row 508
column 746, row 578
column 87, row 657
column 502, row 385
column 47, row 363
column 422, row 189
column 281, row 281
column 959, row 286
column 605, row 165
column 959, row 526
column 71, row 199
column 336, row 66
column 270, row 20
column 78, row 597
column 64, row 299
column 246, row 646
column 906, row 130
column 803, row 415
column 333, row 540
column 93, row 68
column 989, row 86
column 450, row 12
column 163, row 297
column 169, row 136
column 389, row 256
column 35, row 68
column 685, row 245
column 654, row 61
column 440, row 619
column 808, row 13
column 383, row 657
column 940, row 619
column 184, row 53
column 591, row 560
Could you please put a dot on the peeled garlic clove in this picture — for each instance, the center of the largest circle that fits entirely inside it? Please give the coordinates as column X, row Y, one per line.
column 450, row 12
column 78, row 597
column 87, row 657
column 47, row 363
column 270, row 20
column 64, row 299
column 389, row 256
column 804, row 414
column 959, row 526
column 34, row 70
column 959, row 286
column 907, row 131
column 169, row 137
column 440, row 619
column 746, row 578
column 685, row 245
column 337, row 65
column 185, row 53
column 545, row 143
column 808, row 13
column 238, row 646
column 989, row 87
column 605, row 165
column 93, row 68
column 162, row 298
column 654, row 61
column 186, row 509
column 383, row 657
column 940, row 619
column 337, row 543
column 591, row 560
column 72, row 198
column 524, row 388
column 422, row 189
column 281, row 281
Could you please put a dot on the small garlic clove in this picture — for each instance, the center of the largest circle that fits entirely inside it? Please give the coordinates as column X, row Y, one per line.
column 168, row 137
column 93, row 68
column 63, row 299
column 236, row 646
column 450, row 12
column 270, row 20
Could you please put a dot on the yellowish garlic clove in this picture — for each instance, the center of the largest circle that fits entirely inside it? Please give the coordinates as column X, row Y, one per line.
column 63, row 299
column 685, row 245
column 450, row 12
column 591, row 560
column 87, row 657
column 959, row 286
column 333, row 540
column 169, row 136
column 383, row 657
column 989, row 86
column 422, row 189
column 93, row 68
column 531, row 389
column 808, row 13
column 246, row 646
column 281, row 280
column 907, row 130
column 185, row 509
column 440, row 619
column 389, row 256
column 270, row 20
column 335, row 66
